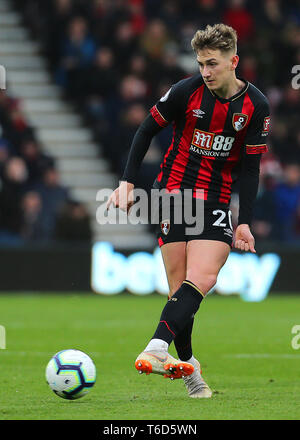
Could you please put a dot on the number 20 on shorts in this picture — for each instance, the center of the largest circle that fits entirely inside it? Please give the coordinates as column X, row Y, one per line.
column 221, row 216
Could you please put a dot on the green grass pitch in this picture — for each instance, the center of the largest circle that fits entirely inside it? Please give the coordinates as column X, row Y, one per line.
column 245, row 350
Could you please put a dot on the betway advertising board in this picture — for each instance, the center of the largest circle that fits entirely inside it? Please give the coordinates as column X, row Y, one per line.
column 142, row 273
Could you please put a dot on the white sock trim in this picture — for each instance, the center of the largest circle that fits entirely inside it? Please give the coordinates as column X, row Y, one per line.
column 192, row 361
column 157, row 344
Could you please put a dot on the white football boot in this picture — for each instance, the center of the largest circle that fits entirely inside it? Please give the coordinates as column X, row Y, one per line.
column 195, row 384
column 161, row 362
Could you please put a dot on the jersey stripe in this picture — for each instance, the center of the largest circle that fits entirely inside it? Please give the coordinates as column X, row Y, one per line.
column 182, row 156
column 207, row 163
column 193, row 163
column 232, row 164
column 217, row 176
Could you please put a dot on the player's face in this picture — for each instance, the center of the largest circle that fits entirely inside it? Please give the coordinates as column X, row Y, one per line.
column 216, row 67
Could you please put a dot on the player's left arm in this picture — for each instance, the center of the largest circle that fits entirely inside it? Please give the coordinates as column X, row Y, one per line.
column 249, row 181
column 255, row 145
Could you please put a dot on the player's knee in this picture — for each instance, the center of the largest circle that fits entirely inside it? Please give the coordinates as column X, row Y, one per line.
column 204, row 282
column 210, row 282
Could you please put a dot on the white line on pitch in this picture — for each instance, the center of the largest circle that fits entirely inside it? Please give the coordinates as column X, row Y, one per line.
column 263, row 355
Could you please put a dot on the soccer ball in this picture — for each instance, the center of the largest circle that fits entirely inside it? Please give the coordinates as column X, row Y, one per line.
column 71, row 374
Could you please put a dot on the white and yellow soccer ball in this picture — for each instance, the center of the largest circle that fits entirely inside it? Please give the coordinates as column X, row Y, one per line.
column 71, row 374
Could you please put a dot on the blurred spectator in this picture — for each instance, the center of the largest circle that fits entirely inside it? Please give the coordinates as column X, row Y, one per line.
column 53, row 196
column 4, row 155
column 59, row 13
column 137, row 17
column 36, row 161
column 169, row 69
column 265, row 225
column 73, row 223
column 31, row 212
column 187, row 32
column 131, row 90
column 77, row 53
column 131, row 118
column 272, row 15
column 290, row 104
column 138, row 66
column 249, row 69
column 237, row 16
column 287, row 202
column 155, row 40
column 102, row 77
column 124, row 45
column 12, row 187
column 202, row 12
column 14, row 127
column 169, row 14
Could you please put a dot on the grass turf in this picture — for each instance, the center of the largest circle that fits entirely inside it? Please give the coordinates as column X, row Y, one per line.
column 245, row 350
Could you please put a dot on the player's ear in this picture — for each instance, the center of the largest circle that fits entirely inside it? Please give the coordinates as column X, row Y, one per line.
column 234, row 61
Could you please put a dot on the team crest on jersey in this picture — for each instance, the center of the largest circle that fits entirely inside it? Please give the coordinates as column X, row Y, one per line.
column 267, row 121
column 165, row 226
column 239, row 120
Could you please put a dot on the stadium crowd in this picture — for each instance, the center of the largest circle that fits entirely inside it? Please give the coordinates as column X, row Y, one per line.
column 114, row 59
column 34, row 206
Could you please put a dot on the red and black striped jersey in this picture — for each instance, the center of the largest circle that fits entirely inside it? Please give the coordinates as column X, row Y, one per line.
column 210, row 136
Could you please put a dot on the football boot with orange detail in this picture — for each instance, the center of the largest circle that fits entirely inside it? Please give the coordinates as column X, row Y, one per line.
column 161, row 362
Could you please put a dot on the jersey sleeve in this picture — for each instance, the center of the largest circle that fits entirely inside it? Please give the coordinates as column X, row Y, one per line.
column 167, row 108
column 259, row 127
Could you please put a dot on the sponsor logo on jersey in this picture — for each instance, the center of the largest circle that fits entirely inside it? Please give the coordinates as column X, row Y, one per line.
column 165, row 226
column 203, row 139
column 198, row 113
column 211, row 144
column 239, row 120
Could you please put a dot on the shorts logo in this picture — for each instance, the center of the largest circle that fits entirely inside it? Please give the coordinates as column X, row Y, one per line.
column 267, row 121
column 203, row 139
column 165, row 226
column 239, row 120
column 228, row 231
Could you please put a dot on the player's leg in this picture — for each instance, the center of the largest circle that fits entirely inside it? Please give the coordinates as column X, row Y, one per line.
column 204, row 260
column 212, row 255
column 155, row 358
column 174, row 258
column 183, row 305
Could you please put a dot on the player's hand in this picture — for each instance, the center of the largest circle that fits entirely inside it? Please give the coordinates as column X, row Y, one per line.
column 122, row 197
column 244, row 240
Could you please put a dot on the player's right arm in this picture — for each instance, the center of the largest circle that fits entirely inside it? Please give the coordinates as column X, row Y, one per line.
column 160, row 116
column 122, row 197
